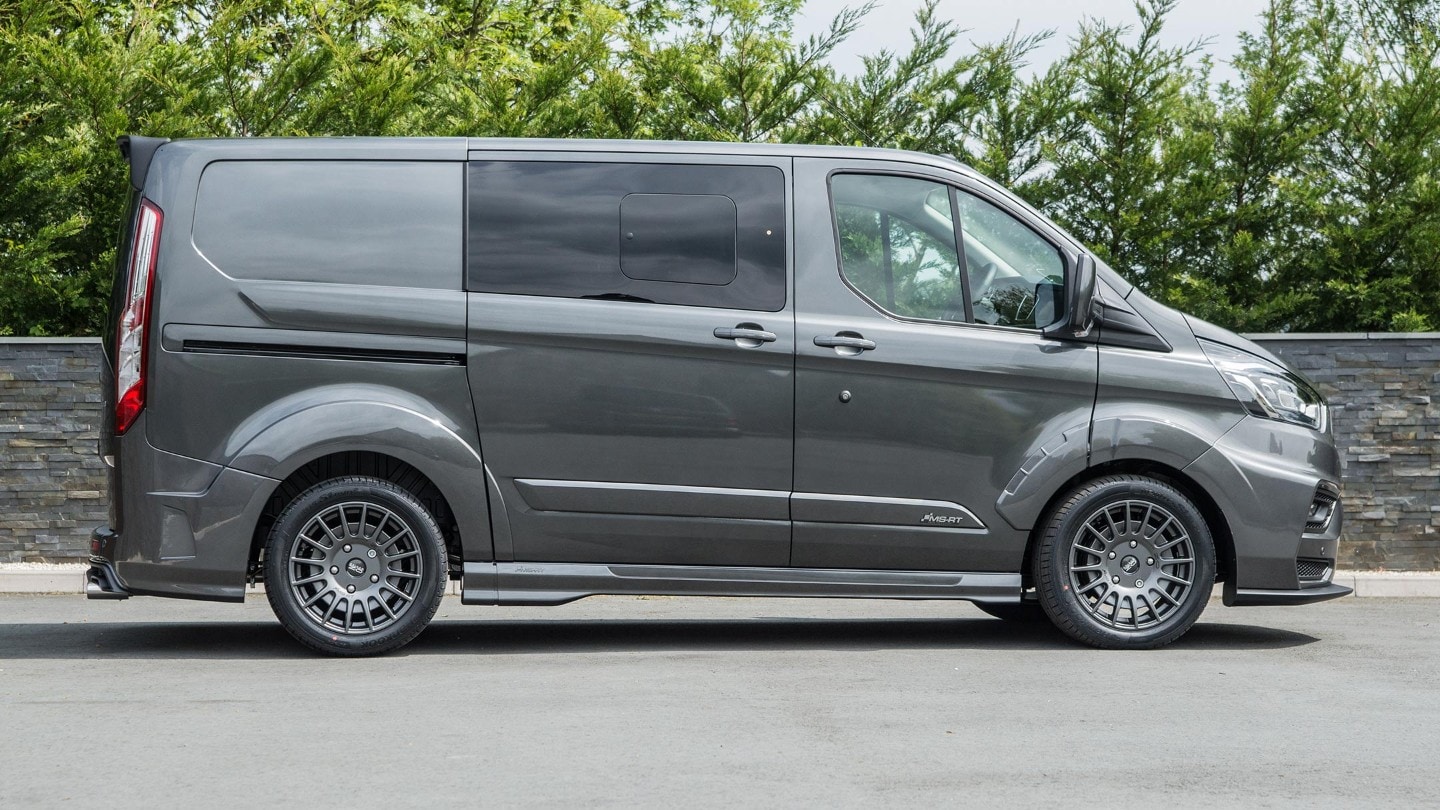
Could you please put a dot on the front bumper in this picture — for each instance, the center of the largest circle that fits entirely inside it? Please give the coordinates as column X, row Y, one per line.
column 1265, row 476
column 1235, row 597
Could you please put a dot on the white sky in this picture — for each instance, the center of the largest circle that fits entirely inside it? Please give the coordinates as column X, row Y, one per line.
column 888, row 26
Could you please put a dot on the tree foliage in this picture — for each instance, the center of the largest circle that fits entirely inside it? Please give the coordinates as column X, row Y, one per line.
column 1302, row 194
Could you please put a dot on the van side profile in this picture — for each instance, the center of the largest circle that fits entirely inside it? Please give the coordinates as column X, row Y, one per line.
column 357, row 369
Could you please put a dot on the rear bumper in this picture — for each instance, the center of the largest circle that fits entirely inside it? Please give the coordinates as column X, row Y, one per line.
column 101, row 581
column 180, row 527
column 1236, row 597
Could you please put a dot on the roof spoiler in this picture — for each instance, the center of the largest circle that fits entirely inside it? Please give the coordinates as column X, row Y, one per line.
column 138, row 149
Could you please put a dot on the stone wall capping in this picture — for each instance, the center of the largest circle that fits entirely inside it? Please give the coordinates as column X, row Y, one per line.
column 1358, row 337
column 43, row 340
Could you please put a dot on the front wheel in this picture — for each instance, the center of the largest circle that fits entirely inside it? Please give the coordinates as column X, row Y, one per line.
column 1125, row 561
column 355, row 566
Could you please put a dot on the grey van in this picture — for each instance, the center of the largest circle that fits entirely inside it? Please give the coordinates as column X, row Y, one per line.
column 358, row 369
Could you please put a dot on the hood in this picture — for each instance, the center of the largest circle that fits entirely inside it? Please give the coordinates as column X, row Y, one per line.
column 1215, row 334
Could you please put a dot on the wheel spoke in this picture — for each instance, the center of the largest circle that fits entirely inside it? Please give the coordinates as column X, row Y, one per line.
column 1150, row 607
column 1163, row 526
column 404, row 533
column 1173, row 543
column 330, row 611
column 387, row 586
column 1114, row 530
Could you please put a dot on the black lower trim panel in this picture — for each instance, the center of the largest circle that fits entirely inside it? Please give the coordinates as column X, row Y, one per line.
column 558, row 583
column 1304, row 596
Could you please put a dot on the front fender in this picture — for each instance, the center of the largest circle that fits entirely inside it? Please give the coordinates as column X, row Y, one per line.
column 278, row 440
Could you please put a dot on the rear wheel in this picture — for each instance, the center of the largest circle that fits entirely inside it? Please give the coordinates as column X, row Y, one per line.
column 1126, row 561
column 355, row 566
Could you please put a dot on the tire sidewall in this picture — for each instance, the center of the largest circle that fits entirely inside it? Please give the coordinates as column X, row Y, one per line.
column 314, row 501
column 1052, row 567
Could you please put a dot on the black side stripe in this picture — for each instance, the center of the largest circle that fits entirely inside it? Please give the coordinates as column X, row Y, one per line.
column 323, row 352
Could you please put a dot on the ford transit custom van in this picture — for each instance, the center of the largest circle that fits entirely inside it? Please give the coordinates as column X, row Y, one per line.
column 356, row 370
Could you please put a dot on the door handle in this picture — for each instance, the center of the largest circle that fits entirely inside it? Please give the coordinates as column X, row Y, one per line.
column 845, row 343
column 748, row 335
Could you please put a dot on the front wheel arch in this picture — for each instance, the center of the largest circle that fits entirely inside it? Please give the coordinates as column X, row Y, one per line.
column 1210, row 510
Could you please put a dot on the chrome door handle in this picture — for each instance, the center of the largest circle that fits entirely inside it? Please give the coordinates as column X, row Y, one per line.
column 746, row 334
column 851, row 341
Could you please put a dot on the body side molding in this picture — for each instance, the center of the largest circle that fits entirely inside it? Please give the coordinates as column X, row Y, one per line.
column 522, row 583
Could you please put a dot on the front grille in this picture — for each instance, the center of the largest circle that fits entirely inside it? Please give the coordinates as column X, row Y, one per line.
column 1322, row 511
column 1312, row 570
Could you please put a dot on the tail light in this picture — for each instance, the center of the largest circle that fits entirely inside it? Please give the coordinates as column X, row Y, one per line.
column 133, row 336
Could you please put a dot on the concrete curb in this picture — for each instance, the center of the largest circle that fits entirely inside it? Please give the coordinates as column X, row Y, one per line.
column 61, row 579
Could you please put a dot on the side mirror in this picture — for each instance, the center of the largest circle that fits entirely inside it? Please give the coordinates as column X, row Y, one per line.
column 1079, row 317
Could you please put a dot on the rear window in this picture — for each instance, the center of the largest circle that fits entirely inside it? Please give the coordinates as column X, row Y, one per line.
column 660, row 233
column 395, row 224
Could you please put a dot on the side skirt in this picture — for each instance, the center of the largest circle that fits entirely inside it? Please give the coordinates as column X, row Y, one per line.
column 510, row 583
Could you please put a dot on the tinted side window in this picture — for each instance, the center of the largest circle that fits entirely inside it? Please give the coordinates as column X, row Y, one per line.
column 662, row 233
column 381, row 223
column 1017, row 277
column 897, row 245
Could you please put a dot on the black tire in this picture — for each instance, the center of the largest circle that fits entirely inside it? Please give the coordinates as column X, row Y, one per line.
column 1015, row 612
column 355, row 566
column 1124, row 562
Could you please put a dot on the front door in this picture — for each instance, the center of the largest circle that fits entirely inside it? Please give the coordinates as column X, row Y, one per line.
column 923, row 384
column 631, row 357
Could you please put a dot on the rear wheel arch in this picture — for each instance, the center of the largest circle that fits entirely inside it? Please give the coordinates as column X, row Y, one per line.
column 308, row 473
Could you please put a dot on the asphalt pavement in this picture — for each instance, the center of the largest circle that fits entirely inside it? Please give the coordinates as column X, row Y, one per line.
column 665, row 702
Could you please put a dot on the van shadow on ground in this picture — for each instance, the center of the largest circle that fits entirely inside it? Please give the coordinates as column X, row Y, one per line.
column 236, row 640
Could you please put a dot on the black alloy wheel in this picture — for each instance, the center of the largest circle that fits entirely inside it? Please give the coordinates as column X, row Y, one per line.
column 1125, row 561
column 355, row 566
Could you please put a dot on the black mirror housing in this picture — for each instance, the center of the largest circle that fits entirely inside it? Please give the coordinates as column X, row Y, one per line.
column 1079, row 316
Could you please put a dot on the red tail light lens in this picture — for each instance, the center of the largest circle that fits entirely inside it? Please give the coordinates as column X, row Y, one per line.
column 133, row 338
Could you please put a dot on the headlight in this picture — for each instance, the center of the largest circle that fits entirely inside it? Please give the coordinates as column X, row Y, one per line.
column 1267, row 390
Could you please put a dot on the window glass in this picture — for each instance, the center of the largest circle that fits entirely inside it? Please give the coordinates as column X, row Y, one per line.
column 897, row 245
column 681, row 238
column 1016, row 277
column 357, row 222
column 699, row 235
